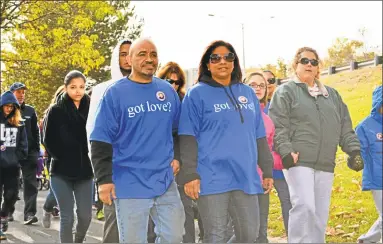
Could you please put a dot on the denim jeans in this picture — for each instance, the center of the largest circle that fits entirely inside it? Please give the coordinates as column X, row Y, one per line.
column 189, row 236
column 166, row 211
column 50, row 201
column 216, row 210
column 284, row 198
column 66, row 192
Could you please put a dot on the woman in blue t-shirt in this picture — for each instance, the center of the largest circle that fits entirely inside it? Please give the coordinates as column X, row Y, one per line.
column 222, row 139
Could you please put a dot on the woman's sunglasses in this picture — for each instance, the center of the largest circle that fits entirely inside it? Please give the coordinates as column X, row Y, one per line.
column 216, row 58
column 305, row 61
column 177, row 82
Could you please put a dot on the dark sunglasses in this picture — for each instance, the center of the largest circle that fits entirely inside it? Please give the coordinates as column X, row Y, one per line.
column 216, row 58
column 177, row 82
column 305, row 61
column 271, row 81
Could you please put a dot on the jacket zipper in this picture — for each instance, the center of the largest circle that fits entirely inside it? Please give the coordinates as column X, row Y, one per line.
column 320, row 129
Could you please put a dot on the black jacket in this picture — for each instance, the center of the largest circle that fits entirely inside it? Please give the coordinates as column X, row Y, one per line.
column 31, row 126
column 65, row 139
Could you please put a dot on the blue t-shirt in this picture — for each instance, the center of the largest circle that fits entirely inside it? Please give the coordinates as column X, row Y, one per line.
column 137, row 119
column 227, row 148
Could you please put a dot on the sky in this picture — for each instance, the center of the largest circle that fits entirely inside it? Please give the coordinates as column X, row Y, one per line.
column 181, row 30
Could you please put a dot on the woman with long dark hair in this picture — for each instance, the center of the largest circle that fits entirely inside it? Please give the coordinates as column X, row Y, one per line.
column 223, row 140
column 71, row 170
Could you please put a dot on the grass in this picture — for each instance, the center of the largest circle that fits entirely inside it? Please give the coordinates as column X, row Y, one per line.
column 352, row 211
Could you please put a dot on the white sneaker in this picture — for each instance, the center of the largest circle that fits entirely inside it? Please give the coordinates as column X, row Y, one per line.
column 46, row 219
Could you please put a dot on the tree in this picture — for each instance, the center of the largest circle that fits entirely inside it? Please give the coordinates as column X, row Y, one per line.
column 281, row 69
column 80, row 37
column 343, row 51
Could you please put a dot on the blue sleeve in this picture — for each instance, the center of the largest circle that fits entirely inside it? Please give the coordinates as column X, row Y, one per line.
column 259, row 125
column 190, row 115
column 107, row 116
column 363, row 143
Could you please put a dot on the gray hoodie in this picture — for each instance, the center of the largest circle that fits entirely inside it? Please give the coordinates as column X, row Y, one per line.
column 314, row 127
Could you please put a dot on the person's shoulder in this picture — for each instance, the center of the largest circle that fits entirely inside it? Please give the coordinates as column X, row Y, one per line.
column 28, row 107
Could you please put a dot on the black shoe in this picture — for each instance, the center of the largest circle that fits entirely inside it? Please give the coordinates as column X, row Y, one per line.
column 10, row 218
column 30, row 220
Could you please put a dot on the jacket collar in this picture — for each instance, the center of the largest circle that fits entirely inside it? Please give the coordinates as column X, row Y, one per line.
column 321, row 87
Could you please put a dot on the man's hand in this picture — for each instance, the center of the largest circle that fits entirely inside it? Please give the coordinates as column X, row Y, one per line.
column 105, row 192
column 176, row 166
column 267, row 184
column 192, row 189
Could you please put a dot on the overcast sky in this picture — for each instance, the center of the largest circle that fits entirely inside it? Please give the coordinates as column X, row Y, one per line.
column 182, row 29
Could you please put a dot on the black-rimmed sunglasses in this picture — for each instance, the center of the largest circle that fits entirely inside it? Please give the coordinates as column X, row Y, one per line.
column 177, row 82
column 216, row 58
column 271, row 81
column 305, row 61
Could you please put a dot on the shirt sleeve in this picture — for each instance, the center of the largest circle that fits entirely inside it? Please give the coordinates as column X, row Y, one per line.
column 190, row 115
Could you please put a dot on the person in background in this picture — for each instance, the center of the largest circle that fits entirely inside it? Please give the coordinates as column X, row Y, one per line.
column 13, row 148
column 28, row 165
column 220, row 112
column 119, row 68
column 259, row 84
column 370, row 135
column 71, row 169
column 280, row 183
column 173, row 73
column 310, row 120
column 271, row 86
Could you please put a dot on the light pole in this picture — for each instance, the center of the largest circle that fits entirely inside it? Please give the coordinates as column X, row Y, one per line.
column 243, row 40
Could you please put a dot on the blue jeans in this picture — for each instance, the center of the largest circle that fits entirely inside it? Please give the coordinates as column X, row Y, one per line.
column 166, row 211
column 50, row 201
column 216, row 210
column 66, row 191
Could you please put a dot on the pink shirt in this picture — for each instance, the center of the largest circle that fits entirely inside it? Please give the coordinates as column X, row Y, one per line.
column 270, row 132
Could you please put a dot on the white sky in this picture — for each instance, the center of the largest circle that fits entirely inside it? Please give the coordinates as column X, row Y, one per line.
column 182, row 29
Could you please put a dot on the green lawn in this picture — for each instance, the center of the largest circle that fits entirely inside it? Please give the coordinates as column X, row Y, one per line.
column 352, row 211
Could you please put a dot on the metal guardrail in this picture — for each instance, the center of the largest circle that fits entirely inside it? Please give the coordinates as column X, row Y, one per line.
column 353, row 66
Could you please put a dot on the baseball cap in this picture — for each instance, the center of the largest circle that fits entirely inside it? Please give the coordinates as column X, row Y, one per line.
column 16, row 86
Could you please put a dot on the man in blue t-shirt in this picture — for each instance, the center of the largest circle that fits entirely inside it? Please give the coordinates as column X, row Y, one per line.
column 132, row 150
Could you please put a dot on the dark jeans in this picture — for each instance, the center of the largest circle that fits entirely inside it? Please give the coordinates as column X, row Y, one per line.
column 29, row 168
column 189, row 236
column 264, row 205
column 66, row 192
column 110, row 225
column 9, row 182
column 50, row 201
column 217, row 209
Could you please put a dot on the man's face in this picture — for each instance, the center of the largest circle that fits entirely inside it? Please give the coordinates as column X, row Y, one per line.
column 124, row 51
column 20, row 95
column 144, row 59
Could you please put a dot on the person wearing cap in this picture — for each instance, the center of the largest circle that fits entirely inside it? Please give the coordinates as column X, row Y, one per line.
column 28, row 165
column 13, row 148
